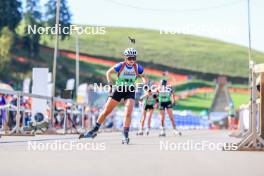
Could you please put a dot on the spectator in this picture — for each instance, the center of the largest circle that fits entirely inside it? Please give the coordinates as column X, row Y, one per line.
column 2, row 112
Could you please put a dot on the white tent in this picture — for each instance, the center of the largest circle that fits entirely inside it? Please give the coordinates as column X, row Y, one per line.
column 6, row 86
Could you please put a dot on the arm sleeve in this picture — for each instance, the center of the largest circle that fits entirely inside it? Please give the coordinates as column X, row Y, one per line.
column 140, row 69
column 118, row 66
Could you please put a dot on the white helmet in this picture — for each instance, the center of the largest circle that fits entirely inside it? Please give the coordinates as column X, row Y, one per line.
column 130, row 52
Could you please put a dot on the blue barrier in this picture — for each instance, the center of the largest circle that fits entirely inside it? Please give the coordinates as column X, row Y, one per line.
column 183, row 121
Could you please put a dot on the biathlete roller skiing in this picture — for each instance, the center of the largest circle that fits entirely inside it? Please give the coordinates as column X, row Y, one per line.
column 123, row 89
column 166, row 101
column 149, row 100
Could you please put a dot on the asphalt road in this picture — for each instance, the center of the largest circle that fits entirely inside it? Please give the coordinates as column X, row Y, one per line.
column 196, row 153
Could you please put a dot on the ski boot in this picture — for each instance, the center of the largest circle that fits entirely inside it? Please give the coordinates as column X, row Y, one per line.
column 90, row 134
column 177, row 133
column 147, row 131
column 140, row 132
column 125, row 140
column 162, row 133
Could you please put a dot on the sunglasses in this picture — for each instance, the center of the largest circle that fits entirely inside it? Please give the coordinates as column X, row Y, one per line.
column 131, row 58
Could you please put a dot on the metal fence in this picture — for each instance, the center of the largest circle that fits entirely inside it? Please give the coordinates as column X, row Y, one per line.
column 74, row 115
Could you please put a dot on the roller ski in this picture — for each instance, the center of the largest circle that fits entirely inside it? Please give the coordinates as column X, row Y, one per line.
column 177, row 133
column 89, row 134
column 125, row 140
column 147, row 131
column 162, row 135
column 140, row 133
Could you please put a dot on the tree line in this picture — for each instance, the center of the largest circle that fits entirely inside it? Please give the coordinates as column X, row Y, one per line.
column 12, row 16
